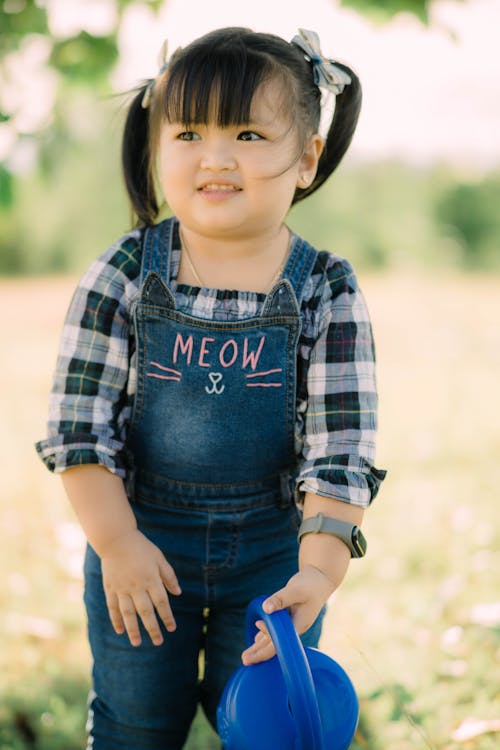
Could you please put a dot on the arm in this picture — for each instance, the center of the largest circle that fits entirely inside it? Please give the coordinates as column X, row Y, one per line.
column 338, row 399
column 323, row 552
column 323, row 564
column 136, row 575
column 89, row 412
column 89, row 406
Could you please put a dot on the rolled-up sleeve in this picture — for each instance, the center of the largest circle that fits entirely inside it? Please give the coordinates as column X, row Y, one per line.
column 340, row 406
column 89, row 404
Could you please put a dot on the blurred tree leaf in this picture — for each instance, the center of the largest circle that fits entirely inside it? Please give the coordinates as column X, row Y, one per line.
column 18, row 18
column 88, row 60
column 21, row 17
column 383, row 11
column 154, row 4
column 470, row 213
column 84, row 57
column 6, row 188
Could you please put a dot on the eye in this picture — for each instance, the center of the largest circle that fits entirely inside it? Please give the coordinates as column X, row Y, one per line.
column 188, row 135
column 249, row 135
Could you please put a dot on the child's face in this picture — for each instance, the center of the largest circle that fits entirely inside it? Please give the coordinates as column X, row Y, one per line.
column 236, row 182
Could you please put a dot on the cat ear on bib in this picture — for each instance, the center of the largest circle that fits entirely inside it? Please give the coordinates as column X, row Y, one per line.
column 281, row 300
column 155, row 292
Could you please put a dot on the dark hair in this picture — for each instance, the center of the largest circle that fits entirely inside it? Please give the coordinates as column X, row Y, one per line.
column 214, row 79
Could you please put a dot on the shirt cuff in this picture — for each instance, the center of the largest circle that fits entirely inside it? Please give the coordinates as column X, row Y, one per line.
column 355, row 488
column 64, row 450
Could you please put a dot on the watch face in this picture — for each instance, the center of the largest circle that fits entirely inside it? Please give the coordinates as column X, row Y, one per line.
column 358, row 541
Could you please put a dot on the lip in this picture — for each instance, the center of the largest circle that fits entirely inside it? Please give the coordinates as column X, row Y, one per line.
column 218, row 191
column 214, row 186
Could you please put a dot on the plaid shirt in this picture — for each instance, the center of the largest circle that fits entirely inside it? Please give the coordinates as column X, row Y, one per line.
column 95, row 379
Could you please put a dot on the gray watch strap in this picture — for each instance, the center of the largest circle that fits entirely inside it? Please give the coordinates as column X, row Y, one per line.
column 349, row 533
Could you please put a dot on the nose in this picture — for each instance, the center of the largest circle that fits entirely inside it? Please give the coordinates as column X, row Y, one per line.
column 218, row 155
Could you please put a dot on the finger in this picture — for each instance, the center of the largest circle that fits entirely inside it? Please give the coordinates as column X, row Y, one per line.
column 163, row 608
column 115, row 614
column 276, row 601
column 262, row 639
column 145, row 610
column 169, row 578
column 129, row 615
column 261, row 626
column 261, row 650
column 287, row 597
column 301, row 616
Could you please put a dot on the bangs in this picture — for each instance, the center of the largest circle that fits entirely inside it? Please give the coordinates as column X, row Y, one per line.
column 215, row 86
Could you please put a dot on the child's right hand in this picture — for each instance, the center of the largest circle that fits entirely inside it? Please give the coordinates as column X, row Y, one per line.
column 136, row 578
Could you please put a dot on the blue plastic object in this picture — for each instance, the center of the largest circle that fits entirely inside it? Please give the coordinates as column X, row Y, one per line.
column 300, row 699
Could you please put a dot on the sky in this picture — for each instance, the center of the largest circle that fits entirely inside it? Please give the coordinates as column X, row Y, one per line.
column 429, row 93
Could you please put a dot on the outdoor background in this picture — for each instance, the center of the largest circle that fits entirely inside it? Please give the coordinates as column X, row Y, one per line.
column 415, row 207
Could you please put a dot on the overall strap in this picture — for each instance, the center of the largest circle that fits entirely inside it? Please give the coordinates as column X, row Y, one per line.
column 286, row 296
column 157, row 250
column 299, row 265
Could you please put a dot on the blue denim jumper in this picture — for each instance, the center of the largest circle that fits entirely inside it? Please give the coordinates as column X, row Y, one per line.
column 213, row 449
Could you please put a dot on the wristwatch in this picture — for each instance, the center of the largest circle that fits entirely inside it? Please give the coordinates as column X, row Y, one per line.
column 349, row 533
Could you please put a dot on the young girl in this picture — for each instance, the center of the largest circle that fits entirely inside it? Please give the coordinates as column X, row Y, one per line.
column 215, row 384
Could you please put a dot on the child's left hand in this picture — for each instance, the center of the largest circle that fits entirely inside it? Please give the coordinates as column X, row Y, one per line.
column 304, row 596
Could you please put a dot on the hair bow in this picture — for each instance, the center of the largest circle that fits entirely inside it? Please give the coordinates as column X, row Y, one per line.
column 163, row 65
column 326, row 74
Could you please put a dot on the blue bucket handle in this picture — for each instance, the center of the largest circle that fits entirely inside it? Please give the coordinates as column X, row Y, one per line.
column 299, row 683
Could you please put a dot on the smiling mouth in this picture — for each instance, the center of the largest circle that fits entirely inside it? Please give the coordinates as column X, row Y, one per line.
column 214, row 187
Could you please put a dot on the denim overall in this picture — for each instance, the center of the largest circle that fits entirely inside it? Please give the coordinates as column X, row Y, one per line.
column 212, row 441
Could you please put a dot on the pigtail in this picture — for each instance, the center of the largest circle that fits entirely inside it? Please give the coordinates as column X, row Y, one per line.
column 340, row 133
column 136, row 160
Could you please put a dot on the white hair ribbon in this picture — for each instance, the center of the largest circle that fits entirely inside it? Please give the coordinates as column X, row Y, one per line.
column 326, row 74
column 163, row 65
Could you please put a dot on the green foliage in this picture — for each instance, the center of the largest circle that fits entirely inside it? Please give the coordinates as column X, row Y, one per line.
column 470, row 214
column 380, row 215
column 382, row 11
column 72, row 206
column 154, row 4
column 6, row 187
column 391, row 215
column 18, row 18
column 44, row 712
column 84, row 58
column 21, row 17
column 48, row 713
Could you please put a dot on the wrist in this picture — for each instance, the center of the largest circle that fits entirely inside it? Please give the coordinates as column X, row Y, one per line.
column 327, row 554
column 325, row 577
column 114, row 543
column 349, row 533
column 101, row 504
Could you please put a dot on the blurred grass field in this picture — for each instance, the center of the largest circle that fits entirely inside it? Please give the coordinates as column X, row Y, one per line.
column 416, row 624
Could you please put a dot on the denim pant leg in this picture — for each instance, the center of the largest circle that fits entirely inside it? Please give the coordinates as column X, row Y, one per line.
column 144, row 697
column 265, row 559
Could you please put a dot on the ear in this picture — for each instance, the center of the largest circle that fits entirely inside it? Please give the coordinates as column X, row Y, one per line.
column 308, row 164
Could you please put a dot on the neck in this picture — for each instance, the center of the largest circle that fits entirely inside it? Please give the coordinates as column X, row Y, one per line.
column 249, row 264
column 222, row 249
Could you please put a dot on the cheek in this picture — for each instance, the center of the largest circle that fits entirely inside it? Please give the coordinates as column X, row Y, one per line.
column 276, row 163
column 172, row 170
